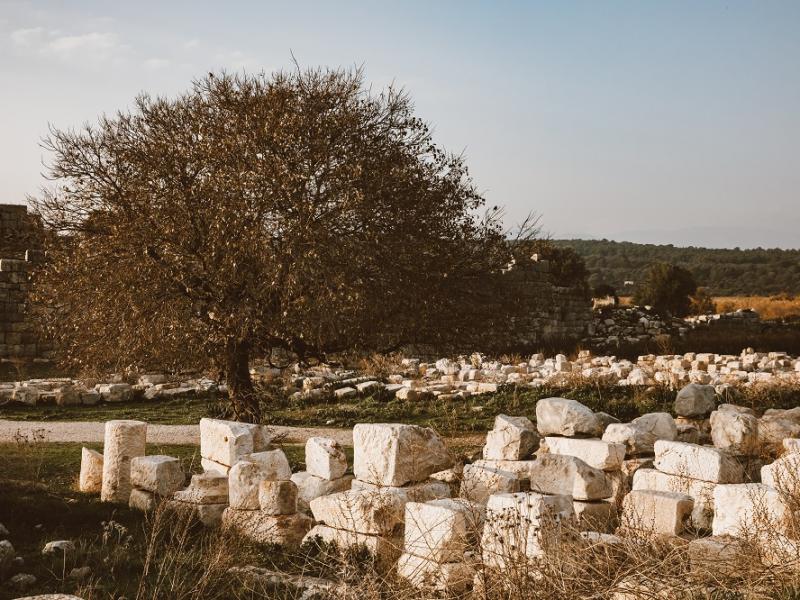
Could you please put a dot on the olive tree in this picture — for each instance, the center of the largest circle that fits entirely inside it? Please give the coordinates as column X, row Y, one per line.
column 298, row 210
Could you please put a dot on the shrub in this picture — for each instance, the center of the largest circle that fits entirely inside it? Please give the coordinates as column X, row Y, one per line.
column 668, row 289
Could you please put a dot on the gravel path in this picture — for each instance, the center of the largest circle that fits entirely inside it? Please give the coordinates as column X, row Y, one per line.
column 92, row 431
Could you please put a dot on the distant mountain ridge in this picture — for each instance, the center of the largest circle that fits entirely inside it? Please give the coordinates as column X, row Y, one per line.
column 725, row 272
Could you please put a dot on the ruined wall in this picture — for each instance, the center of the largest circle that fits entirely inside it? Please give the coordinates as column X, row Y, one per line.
column 18, row 246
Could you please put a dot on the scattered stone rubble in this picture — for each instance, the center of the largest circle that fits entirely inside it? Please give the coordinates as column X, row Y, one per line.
column 574, row 476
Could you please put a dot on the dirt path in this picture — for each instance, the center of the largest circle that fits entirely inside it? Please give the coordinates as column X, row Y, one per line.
column 92, row 431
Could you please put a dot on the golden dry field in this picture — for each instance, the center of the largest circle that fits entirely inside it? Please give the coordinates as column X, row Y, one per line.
column 768, row 307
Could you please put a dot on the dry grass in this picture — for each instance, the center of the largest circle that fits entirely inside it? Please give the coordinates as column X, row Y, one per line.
column 768, row 307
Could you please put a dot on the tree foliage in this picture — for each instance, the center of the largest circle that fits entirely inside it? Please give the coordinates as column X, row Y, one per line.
column 668, row 289
column 297, row 211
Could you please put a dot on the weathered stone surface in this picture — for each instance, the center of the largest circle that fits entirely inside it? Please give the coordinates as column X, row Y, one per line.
column 598, row 516
column 695, row 400
column 124, row 440
column 512, row 438
column 325, row 458
column 640, row 435
column 606, row 456
column 783, row 474
column 447, row 578
column 142, row 500
column 277, row 497
column 116, row 392
column 261, row 528
column 697, row 462
column 749, row 509
column 384, row 549
column 660, row 513
column 393, row 454
column 568, row 475
column 442, row 530
column 735, row 432
column 701, row 492
column 162, row 475
column 226, row 442
column 310, row 487
column 210, row 466
column 478, row 482
column 561, row 416
column 91, row 476
column 776, row 425
column 376, row 513
column 205, row 488
column 517, row 523
column 521, row 469
column 246, row 475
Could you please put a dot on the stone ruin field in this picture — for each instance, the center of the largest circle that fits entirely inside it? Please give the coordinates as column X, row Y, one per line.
column 693, row 497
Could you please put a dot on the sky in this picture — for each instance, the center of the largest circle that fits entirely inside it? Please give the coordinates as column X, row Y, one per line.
column 663, row 122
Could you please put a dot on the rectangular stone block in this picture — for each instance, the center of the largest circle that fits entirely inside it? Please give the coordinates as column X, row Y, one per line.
column 277, row 497
column 659, row 513
column 376, row 513
column 556, row 474
column 478, row 483
column 226, row 442
column 512, row 438
column 205, row 488
column 162, row 475
column 310, row 487
column 261, row 528
column 750, row 510
column 442, row 530
column 697, row 462
column 701, row 492
column 606, row 456
column 325, row 458
column 384, row 549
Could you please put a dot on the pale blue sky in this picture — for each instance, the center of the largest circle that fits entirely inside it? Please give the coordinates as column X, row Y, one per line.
column 666, row 121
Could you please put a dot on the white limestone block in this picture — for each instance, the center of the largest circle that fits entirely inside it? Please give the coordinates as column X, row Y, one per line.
column 640, row 435
column 162, row 475
column 606, row 456
column 123, row 441
column 277, row 497
column 735, row 432
column 556, row 474
column 478, row 482
column 395, row 454
column 91, row 477
column 246, row 475
column 660, row 513
column 446, row 578
column 561, row 416
column 377, row 513
column 310, row 487
column 261, row 528
column 424, row 491
column 205, row 488
column 750, row 510
column 325, row 458
column 697, row 462
column 701, row 492
column 783, row 474
column 442, row 530
column 226, row 442
column 512, row 438
column 695, row 400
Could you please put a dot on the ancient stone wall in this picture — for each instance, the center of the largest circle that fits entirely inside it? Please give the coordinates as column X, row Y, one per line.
column 18, row 244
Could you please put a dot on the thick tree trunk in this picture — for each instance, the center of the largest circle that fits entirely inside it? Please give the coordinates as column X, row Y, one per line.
column 240, row 386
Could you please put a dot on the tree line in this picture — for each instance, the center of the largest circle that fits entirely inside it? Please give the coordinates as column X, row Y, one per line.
column 723, row 272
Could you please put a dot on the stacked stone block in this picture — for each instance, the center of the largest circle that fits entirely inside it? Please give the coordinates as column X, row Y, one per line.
column 154, row 478
column 392, row 464
column 326, row 471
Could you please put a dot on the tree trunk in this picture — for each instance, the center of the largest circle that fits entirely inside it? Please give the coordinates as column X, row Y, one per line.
column 240, row 386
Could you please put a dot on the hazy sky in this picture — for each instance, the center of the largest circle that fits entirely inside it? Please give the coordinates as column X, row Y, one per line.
column 661, row 121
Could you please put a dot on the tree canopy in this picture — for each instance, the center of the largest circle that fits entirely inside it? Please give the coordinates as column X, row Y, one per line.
column 298, row 211
column 668, row 289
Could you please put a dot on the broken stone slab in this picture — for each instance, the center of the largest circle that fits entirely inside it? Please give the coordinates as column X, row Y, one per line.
column 521, row 469
column 91, row 476
column 363, row 511
column 564, row 417
column 415, row 492
column 325, row 458
column 512, row 438
column 227, row 442
column 568, row 475
column 697, row 462
column 606, row 456
column 261, row 528
column 162, row 475
column 124, row 440
column 659, row 513
column 205, row 488
column 310, row 487
column 246, row 475
column 701, row 492
column 210, row 466
column 479, row 482
column 639, row 436
column 277, row 497
column 385, row 550
column 393, row 454
column 695, row 400
column 442, row 530
column 750, row 510
column 735, row 432
column 116, row 392
column 446, row 578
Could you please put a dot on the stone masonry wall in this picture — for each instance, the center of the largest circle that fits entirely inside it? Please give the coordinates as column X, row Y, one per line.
column 18, row 242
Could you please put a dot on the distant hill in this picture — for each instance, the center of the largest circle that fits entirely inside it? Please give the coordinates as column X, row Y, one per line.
column 725, row 272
